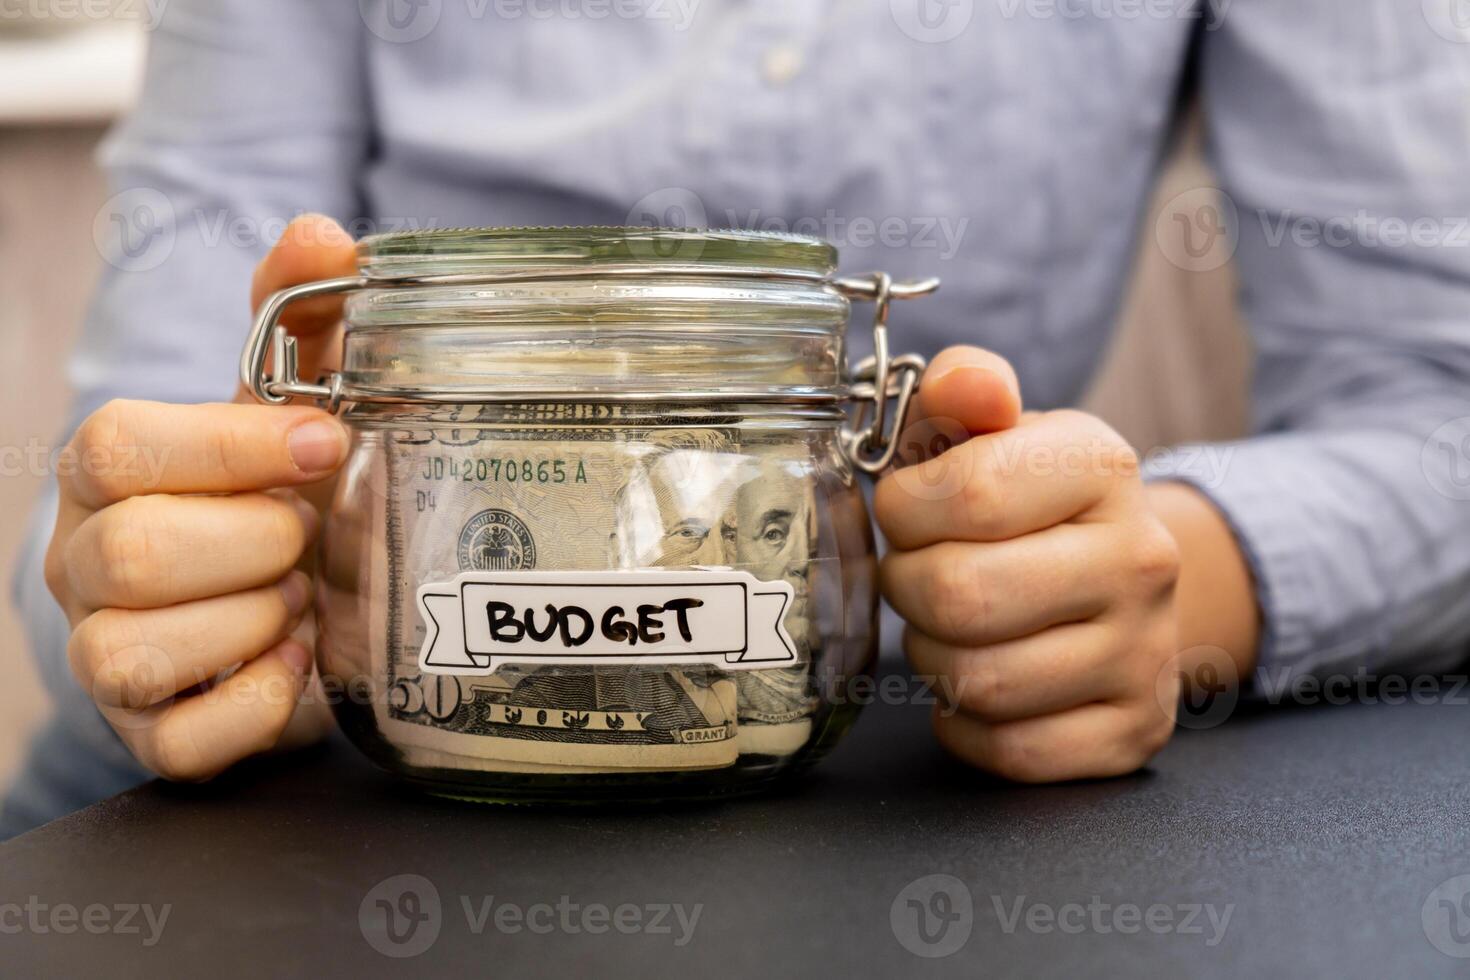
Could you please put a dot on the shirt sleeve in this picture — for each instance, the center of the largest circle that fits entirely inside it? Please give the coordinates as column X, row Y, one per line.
column 252, row 112
column 1342, row 143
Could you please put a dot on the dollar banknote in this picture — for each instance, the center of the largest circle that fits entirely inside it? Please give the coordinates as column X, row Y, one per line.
column 570, row 487
column 774, row 527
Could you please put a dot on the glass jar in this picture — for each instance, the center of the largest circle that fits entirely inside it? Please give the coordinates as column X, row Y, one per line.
column 600, row 534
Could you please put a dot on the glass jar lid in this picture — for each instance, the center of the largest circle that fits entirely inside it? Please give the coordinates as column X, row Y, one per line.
column 514, row 313
column 548, row 252
column 600, row 314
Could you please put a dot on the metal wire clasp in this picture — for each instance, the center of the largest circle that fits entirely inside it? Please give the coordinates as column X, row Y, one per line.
column 268, row 365
column 270, row 343
column 869, row 440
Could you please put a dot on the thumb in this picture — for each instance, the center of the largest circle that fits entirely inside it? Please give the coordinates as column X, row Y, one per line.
column 970, row 388
column 312, row 247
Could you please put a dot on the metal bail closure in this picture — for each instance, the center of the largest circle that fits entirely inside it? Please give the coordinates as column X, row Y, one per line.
column 870, row 442
column 269, row 342
column 268, row 365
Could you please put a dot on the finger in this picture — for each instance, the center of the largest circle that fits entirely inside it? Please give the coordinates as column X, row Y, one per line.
column 976, row 594
column 312, row 247
column 1090, row 742
column 154, row 551
column 1007, row 484
column 134, row 658
column 127, row 448
column 69, row 516
column 975, row 387
column 1041, row 674
column 198, row 737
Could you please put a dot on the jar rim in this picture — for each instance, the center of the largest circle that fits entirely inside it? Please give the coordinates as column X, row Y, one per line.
column 498, row 312
column 534, row 252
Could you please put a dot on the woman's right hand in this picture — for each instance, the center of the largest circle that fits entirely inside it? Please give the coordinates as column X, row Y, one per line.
column 173, row 559
column 176, row 541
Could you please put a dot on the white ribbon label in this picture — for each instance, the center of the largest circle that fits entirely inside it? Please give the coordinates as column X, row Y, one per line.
column 482, row 620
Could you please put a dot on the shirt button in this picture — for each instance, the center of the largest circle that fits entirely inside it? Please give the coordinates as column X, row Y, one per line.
column 782, row 63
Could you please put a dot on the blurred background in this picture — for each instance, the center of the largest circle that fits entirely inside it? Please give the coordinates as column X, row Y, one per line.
column 68, row 68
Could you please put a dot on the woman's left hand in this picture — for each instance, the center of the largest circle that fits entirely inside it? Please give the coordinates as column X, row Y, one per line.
column 1035, row 579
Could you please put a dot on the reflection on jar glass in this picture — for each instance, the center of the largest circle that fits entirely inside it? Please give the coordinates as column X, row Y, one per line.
column 600, row 535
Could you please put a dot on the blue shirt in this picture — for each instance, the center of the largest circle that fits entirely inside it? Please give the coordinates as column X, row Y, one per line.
column 1005, row 145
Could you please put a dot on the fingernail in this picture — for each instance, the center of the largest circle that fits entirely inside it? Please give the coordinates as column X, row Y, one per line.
column 316, row 446
column 959, row 369
column 295, row 656
column 295, row 592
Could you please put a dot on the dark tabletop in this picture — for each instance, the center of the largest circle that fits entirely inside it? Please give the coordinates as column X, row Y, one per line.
column 1332, row 837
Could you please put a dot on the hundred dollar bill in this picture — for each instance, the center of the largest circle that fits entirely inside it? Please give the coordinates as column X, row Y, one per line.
column 775, row 532
column 572, row 497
